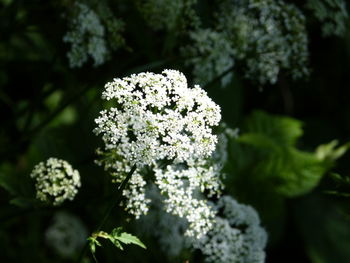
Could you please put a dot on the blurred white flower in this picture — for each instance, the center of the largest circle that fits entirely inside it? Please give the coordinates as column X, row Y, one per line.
column 332, row 14
column 92, row 34
column 66, row 235
column 263, row 36
column 86, row 37
column 236, row 236
column 56, row 181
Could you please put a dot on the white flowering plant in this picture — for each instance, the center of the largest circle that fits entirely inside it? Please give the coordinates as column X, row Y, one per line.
column 154, row 163
column 158, row 123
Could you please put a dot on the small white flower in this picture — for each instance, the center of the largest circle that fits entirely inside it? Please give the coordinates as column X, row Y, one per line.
column 56, row 181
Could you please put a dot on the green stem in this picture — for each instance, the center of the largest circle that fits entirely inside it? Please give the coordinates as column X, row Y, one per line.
column 114, row 202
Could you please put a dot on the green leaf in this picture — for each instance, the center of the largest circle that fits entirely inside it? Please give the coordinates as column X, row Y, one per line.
column 116, row 237
column 330, row 152
column 299, row 174
column 126, row 238
column 283, row 130
column 92, row 243
column 271, row 157
column 259, row 141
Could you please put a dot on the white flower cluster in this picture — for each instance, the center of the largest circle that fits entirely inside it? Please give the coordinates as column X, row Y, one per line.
column 183, row 189
column 136, row 202
column 236, row 237
column 66, row 235
column 56, row 181
column 88, row 35
column 168, row 229
column 211, row 56
column 332, row 14
column 265, row 36
column 157, row 117
column 163, row 127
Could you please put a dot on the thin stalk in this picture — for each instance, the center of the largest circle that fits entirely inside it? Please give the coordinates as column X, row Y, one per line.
column 114, row 202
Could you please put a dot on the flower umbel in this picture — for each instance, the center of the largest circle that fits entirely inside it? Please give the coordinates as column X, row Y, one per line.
column 164, row 128
column 157, row 117
column 56, row 181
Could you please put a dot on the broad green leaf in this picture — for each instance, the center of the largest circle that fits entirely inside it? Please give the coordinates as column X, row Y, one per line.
column 299, row 174
column 283, row 130
column 267, row 148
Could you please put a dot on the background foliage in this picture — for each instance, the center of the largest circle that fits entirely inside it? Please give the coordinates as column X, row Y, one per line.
column 289, row 107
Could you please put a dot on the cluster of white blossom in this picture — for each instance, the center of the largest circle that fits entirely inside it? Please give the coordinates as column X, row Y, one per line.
column 168, row 14
column 236, row 236
column 332, row 14
column 161, row 125
column 211, row 56
column 183, row 189
column 89, row 37
column 265, row 36
column 167, row 228
column 136, row 202
column 56, row 181
column 66, row 235
column 157, row 117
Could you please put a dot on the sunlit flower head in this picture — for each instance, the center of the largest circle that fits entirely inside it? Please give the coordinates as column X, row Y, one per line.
column 56, row 181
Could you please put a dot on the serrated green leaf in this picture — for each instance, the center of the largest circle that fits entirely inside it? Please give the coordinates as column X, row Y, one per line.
column 126, row 238
column 116, row 237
